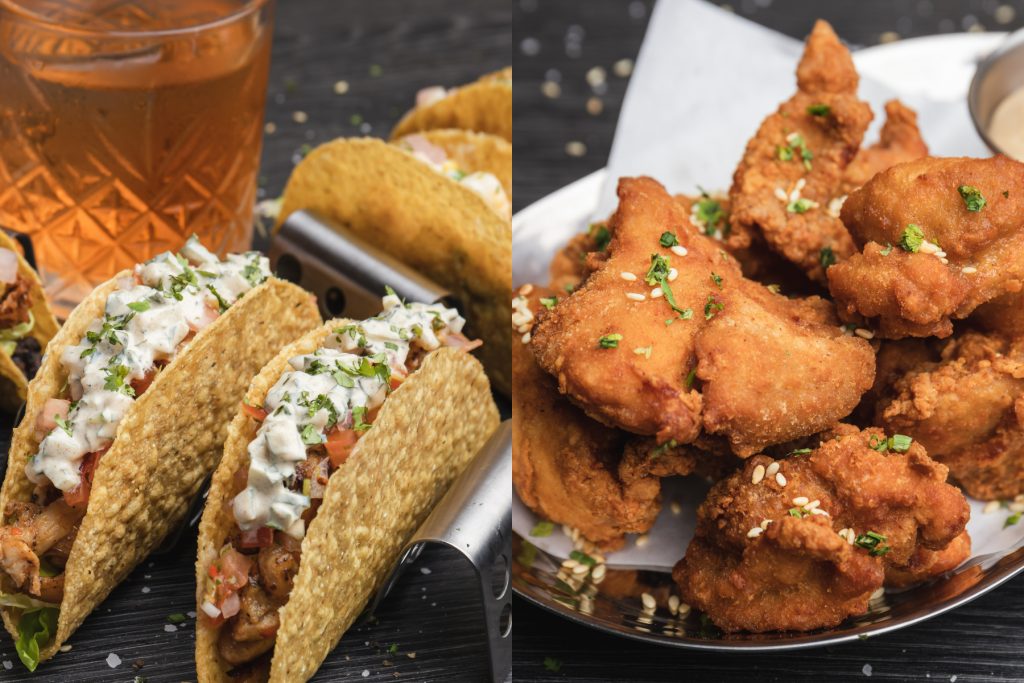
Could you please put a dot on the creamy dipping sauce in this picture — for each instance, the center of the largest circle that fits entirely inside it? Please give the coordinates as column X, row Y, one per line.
column 336, row 386
column 145, row 321
column 1006, row 128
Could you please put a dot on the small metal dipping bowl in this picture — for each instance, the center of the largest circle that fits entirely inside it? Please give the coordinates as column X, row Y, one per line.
column 998, row 75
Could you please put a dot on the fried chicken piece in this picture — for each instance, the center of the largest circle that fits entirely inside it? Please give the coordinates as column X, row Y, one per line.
column 1004, row 314
column 966, row 406
column 806, row 549
column 576, row 260
column 15, row 303
column 792, row 170
column 565, row 465
column 970, row 253
column 925, row 564
column 711, row 352
column 32, row 531
column 899, row 141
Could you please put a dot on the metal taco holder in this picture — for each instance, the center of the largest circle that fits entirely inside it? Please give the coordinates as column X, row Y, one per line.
column 348, row 277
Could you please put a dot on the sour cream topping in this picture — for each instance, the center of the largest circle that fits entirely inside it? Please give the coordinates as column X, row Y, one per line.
column 336, row 386
column 146, row 319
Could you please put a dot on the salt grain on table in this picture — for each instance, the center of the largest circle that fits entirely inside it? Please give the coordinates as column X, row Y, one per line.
column 113, row 661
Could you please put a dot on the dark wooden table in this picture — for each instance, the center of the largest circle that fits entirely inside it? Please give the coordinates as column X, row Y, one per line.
column 560, row 42
column 384, row 51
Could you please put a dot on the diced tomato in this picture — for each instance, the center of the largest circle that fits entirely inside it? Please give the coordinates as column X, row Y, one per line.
column 140, row 385
column 340, row 443
column 233, row 572
column 459, row 341
column 79, row 495
column 396, row 380
column 257, row 538
column 255, row 412
column 46, row 420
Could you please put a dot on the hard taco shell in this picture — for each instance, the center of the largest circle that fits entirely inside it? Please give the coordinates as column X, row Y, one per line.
column 165, row 445
column 476, row 152
column 426, row 433
column 14, row 384
column 484, row 106
column 424, row 219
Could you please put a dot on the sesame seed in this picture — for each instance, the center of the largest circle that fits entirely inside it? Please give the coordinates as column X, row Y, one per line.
column 550, row 89
column 863, row 333
column 676, row 508
column 650, row 603
column 673, row 604
column 575, row 148
column 1016, row 507
column 684, row 609
column 800, row 184
column 624, row 67
column 781, row 195
column 569, row 563
column 300, row 116
column 755, row 532
column 635, row 296
column 758, row 475
column 800, row 500
column 969, row 270
column 944, row 261
column 656, row 292
column 598, row 574
column 818, row 511
column 812, row 505
column 526, row 290
column 340, row 87
column 642, row 541
column 928, row 247
column 580, row 569
column 526, row 338
column 772, row 469
column 627, row 276
column 672, row 274
column 780, row 478
column 678, row 250
column 878, row 593
column 765, row 523
column 991, row 507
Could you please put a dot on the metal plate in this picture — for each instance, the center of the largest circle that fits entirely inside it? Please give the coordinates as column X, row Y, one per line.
column 545, row 226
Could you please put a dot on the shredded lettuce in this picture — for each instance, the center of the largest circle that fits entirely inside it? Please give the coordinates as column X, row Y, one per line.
column 21, row 601
column 13, row 334
column 35, row 628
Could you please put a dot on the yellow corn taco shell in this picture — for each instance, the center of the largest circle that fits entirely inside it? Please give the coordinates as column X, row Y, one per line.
column 424, row 219
column 426, row 433
column 165, row 445
column 13, row 383
column 484, row 106
column 476, row 152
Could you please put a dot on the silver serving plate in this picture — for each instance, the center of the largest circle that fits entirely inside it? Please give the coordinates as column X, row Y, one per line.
column 538, row 231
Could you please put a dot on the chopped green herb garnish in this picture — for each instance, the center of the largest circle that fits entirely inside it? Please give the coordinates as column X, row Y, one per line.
column 1012, row 519
column 1006, row 194
column 827, row 257
column 912, row 238
column 872, row 542
column 393, row 649
column 310, row 436
column 542, row 528
column 668, row 239
column 139, row 306
column 582, row 558
column 887, row 250
column 549, row 302
column 690, row 377
column 686, row 314
column 801, row 205
column 63, row 424
column 359, row 419
column 819, row 110
column 553, row 665
column 800, row 451
column 177, row 618
column 712, row 307
column 711, row 215
column 785, row 153
column 601, row 236
column 115, row 379
column 717, row 279
column 798, row 512
column 222, row 305
column 900, row 443
column 658, row 271
column 972, row 197
column 609, row 341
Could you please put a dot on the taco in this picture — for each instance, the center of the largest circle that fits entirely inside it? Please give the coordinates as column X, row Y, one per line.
column 124, row 420
column 484, row 106
column 26, row 324
column 343, row 445
column 389, row 197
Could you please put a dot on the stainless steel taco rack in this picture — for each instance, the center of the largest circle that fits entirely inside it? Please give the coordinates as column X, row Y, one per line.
column 474, row 517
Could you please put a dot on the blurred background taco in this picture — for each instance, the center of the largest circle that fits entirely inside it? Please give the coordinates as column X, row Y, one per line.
column 484, row 106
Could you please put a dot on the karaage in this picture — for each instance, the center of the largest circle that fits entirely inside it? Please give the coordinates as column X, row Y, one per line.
column 899, row 141
column 668, row 338
column 965, row 404
column 788, row 186
column 802, row 543
column 941, row 236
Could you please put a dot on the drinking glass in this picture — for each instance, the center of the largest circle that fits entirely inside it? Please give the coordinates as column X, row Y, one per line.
column 126, row 126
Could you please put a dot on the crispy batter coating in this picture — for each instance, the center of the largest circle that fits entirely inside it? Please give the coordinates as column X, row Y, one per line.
column 564, row 465
column 732, row 358
column 965, row 404
column 927, row 564
column 899, row 141
column 919, row 293
column 574, row 262
column 793, row 167
column 1004, row 314
column 763, row 560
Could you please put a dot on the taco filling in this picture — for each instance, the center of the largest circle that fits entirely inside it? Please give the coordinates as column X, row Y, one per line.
column 16, row 321
column 309, row 424
column 148, row 319
column 486, row 185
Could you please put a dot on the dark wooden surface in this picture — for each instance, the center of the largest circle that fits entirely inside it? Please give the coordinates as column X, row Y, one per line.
column 983, row 641
column 385, row 50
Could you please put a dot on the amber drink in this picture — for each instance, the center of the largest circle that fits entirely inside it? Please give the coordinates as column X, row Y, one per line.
column 127, row 126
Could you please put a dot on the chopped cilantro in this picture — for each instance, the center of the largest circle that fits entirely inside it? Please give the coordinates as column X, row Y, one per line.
column 819, row 110
column 139, row 306
column 887, row 250
column 800, row 451
column 359, row 419
column 549, row 302
column 711, row 215
column 798, row 512
column 63, row 424
column 393, row 649
column 972, row 197
column 872, row 542
column 658, row 271
column 582, row 558
column 711, row 307
column 668, row 239
column 717, row 279
column 601, row 236
column 686, row 314
column 115, row 379
column 222, row 305
column 609, row 341
column 827, row 257
column 690, row 377
column 900, row 443
column 661, row 448
column 801, row 205
column 912, row 238
column 177, row 618
column 1012, row 519
column 542, row 528
column 310, row 436
column 785, row 153
column 1006, row 194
